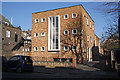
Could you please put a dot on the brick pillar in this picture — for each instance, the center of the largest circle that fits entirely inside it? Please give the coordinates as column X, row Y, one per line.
column 74, row 61
column 68, row 60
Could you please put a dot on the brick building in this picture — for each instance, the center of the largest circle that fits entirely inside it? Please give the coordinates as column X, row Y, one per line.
column 50, row 27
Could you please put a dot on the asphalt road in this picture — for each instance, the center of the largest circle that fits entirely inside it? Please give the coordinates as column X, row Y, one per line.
column 62, row 74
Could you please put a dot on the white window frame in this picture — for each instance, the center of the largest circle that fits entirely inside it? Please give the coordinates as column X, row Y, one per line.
column 82, row 31
column 87, row 37
column 8, row 34
column 49, row 39
column 28, row 49
column 90, row 39
column 35, row 34
column 42, row 49
column 22, row 49
column 90, row 24
column 73, row 16
column 66, row 49
column 35, row 49
column 73, row 48
column 25, row 49
column 42, row 34
column 7, row 23
column 73, row 31
column 36, row 21
column 42, row 19
column 87, row 20
column 65, row 17
column 65, row 33
column 93, row 26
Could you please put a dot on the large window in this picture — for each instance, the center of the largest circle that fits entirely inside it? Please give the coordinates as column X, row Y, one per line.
column 54, row 33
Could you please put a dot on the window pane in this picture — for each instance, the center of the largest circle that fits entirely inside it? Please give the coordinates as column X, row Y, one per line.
column 16, row 37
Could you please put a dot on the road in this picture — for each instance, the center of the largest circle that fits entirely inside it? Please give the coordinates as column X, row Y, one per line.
column 62, row 73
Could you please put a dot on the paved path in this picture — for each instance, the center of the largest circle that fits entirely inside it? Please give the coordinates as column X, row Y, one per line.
column 86, row 68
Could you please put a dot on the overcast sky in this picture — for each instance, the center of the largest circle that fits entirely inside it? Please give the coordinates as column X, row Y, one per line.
column 21, row 12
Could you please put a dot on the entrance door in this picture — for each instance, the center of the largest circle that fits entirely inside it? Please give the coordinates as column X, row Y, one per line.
column 88, row 53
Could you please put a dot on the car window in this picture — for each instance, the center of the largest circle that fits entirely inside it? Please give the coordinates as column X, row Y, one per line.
column 26, row 58
column 14, row 58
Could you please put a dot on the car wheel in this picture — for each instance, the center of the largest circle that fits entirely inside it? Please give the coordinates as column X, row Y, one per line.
column 19, row 70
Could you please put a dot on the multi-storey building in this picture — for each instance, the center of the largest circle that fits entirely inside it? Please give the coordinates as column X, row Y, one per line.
column 50, row 28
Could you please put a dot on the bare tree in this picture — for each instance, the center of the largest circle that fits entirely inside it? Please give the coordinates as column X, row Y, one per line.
column 71, row 40
column 113, row 27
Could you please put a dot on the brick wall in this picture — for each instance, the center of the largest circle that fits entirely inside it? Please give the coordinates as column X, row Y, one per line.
column 43, row 27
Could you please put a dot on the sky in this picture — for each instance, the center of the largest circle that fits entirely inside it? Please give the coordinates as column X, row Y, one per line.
column 21, row 12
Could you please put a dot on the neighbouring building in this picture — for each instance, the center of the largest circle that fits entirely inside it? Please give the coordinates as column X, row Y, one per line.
column 11, row 36
column 13, row 41
column 25, row 45
column 50, row 28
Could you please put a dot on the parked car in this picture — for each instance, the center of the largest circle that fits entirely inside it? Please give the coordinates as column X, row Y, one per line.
column 20, row 63
column 4, row 60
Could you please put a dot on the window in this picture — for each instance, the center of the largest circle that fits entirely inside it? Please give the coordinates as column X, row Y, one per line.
column 42, row 33
column 66, row 32
column 82, row 42
column 93, row 26
column 35, row 48
column 2, row 38
column 35, row 34
column 87, row 37
column 84, row 15
column 74, row 15
column 16, row 37
column 6, row 23
column 90, row 39
column 82, row 31
column 36, row 20
column 66, row 48
column 25, row 34
column 42, row 48
column 8, row 34
column 25, row 49
column 90, row 24
column 87, row 20
column 66, row 16
column 42, row 19
column 54, row 33
column 74, row 31
column 14, row 58
column 74, row 48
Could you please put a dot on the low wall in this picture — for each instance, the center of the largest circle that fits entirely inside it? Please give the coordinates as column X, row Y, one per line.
column 52, row 64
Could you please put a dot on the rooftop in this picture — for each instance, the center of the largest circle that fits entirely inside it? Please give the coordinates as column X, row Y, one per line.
column 63, row 8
